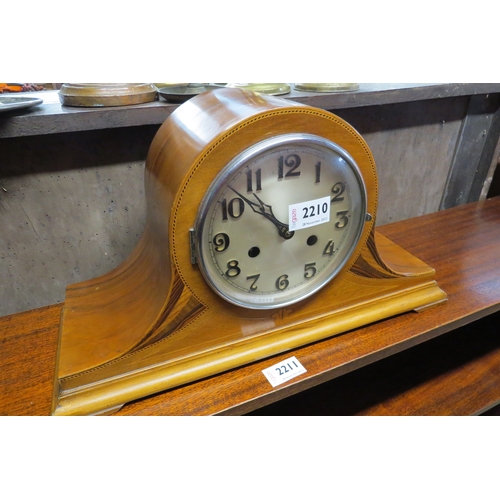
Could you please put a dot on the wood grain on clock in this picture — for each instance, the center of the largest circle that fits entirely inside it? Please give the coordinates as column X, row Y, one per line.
column 154, row 323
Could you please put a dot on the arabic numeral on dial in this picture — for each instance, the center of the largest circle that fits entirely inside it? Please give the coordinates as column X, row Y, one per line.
column 220, row 242
column 344, row 219
column 232, row 269
column 234, row 208
column 282, row 282
column 329, row 248
column 258, row 180
column 292, row 162
column 253, row 277
column 309, row 270
column 338, row 190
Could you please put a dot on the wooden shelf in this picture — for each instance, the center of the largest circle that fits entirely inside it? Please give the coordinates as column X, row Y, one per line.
column 460, row 243
column 457, row 373
column 51, row 118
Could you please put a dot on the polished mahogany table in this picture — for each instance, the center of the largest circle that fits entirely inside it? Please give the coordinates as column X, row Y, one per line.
column 444, row 360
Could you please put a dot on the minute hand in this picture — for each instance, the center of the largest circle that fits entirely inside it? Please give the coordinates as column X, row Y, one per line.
column 266, row 210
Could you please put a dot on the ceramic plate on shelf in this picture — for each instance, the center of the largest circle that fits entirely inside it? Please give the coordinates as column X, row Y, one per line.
column 9, row 103
column 181, row 93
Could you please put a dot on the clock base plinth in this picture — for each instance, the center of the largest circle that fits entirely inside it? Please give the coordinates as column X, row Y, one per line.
column 213, row 341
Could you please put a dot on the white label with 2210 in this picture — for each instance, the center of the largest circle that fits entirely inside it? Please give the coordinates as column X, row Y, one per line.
column 309, row 213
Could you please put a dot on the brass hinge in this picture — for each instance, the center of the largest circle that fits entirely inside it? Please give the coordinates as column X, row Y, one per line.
column 192, row 244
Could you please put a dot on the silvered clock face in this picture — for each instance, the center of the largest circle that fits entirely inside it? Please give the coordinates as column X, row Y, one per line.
column 280, row 221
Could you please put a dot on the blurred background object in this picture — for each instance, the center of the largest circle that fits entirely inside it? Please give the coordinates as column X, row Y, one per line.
column 181, row 92
column 326, row 87
column 6, row 88
column 264, row 88
column 106, row 94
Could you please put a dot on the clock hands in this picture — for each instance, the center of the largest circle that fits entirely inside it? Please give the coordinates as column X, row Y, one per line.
column 266, row 210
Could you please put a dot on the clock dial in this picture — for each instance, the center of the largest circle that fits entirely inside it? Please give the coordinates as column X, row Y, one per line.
column 280, row 221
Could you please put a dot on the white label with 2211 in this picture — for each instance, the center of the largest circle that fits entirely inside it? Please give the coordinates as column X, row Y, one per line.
column 283, row 371
column 309, row 213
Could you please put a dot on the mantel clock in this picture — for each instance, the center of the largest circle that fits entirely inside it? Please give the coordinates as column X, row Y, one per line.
column 260, row 237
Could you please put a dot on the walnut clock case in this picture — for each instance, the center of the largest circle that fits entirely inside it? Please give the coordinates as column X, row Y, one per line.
column 259, row 238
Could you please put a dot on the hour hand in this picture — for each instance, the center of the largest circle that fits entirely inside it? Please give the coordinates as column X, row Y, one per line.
column 267, row 211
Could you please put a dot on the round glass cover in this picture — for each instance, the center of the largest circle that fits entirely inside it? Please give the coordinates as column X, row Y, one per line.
column 280, row 221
